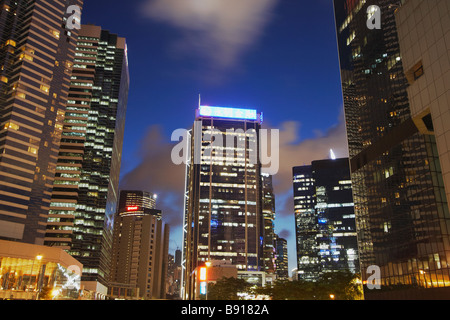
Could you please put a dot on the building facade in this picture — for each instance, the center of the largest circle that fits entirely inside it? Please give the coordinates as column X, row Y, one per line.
column 325, row 219
column 85, row 189
column 33, row 272
column 281, row 259
column 36, row 55
column 140, row 247
column 223, row 214
column 401, row 207
column 268, row 208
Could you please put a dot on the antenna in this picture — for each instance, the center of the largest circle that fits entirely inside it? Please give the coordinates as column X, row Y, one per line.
column 199, row 100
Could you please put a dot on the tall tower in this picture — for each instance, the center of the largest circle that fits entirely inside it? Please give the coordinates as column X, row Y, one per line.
column 268, row 208
column 223, row 216
column 85, row 192
column 36, row 58
column 325, row 219
column 140, row 245
column 401, row 208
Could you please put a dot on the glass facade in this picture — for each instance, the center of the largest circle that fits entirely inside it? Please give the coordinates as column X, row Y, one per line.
column 25, row 278
column 402, row 214
column 325, row 219
column 137, row 202
column 268, row 208
column 282, row 263
column 85, row 190
column 223, row 217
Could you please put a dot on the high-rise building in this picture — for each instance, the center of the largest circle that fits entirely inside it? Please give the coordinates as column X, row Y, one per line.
column 281, row 258
column 138, row 202
column 427, row 70
column 36, row 58
column 223, row 214
column 268, row 208
column 140, row 246
column 401, row 207
column 324, row 219
column 85, row 189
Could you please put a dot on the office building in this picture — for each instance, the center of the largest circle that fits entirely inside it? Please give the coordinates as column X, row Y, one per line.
column 223, row 214
column 36, row 58
column 268, row 208
column 324, row 219
column 427, row 70
column 138, row 202
column 401, row 206
column 281, row 259
column 85, row 189
column 140, row 247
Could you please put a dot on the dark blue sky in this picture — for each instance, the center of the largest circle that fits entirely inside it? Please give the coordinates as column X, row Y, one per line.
column 289, row 70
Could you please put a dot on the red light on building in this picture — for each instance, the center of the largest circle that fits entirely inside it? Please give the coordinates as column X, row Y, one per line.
column 132, row 208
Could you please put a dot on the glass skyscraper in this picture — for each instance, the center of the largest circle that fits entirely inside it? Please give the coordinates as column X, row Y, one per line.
column 223, row 215
column 36, row 58
column 324, row 219
column 85, row 190
column 402, row 214
column 140, row 246
column 268, row 209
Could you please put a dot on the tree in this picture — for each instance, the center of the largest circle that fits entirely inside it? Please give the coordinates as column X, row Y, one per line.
column 227, row 289
column 343, row 285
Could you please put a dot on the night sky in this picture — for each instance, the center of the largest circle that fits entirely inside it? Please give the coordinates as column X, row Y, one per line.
column 277, row 56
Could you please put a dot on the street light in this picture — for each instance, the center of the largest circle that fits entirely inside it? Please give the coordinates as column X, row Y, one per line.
column 332, row 296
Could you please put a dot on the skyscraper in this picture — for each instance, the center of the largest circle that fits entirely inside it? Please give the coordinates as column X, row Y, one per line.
column 401, row 209
column 140, row 245
column 324, row 219
column 85, row 191
column 223, row 215
column 268, row 208
column 281, row 258
column 137, row 202
column 36, row 58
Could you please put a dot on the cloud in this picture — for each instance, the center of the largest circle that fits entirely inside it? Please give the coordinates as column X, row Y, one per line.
column 156, row 173
column 294, row 151
column 218, row 31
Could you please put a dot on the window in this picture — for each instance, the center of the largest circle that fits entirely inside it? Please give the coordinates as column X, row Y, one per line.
column 45, row 88
column 32, row 150
column 11, row 43
column 55, row 33
column 10, row 125
column 418, row 72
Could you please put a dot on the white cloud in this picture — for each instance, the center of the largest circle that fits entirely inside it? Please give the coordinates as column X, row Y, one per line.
column 219, row 31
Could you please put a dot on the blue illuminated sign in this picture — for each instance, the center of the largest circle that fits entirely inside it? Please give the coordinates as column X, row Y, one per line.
column 232, row 113
column 202, row 287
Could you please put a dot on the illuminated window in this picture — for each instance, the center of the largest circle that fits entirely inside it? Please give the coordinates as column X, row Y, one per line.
column 11, row 43
column 55, row 33
column 26, row 57
column 32, row 150
column 21, row 95
column 4, row 79
column 45, row 88
column 10, row 125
